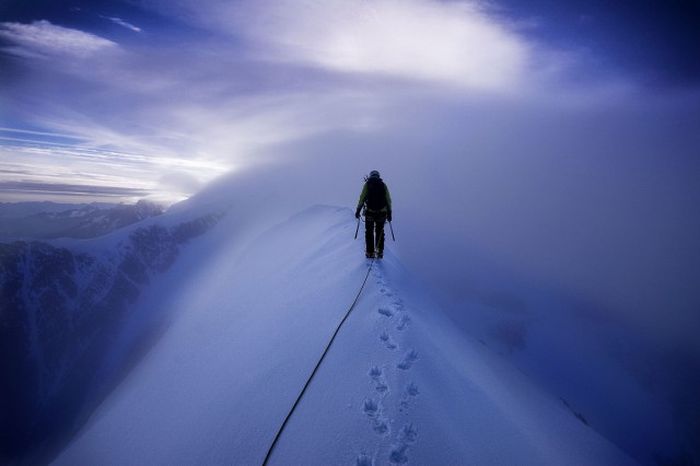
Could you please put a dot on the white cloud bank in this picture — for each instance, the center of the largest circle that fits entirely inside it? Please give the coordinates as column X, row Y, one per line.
column 456, row 43
column 453, row 43
column 44, row 39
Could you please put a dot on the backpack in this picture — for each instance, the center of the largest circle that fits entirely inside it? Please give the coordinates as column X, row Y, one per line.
column 376, row 194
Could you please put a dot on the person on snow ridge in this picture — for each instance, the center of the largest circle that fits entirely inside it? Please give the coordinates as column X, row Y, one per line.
column 377, row 201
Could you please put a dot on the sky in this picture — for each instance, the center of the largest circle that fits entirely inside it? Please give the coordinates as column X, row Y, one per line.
column 559, row 140
column 121, row 100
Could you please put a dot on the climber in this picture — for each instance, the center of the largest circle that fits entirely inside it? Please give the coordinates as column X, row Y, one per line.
column 377, row 202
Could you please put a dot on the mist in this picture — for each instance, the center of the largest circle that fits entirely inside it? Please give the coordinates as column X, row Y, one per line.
column 545, row 209
column 595, row 201
column 583, row 209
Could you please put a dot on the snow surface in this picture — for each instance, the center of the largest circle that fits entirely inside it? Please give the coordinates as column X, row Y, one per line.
column 251, row 314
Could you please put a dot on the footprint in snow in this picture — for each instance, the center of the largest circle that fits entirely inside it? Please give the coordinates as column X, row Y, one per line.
column 412, row 389
column 381, row 426
column 388, row 342
column 408, row 434
column 398, row 454
column 374, row 412
column 384, row 311
column 370, row 407
column 407, row 437
column 398, row 305
column 403, row 322
column 410, row 393
column 364, row 460
column 376, row 374
column 408, row 360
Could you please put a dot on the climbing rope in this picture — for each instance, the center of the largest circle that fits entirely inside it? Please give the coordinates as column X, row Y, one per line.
column 318, row 364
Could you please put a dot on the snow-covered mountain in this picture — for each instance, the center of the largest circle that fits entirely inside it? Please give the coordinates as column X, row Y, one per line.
column 62, row 304
column 15, row 210
column 185, row 339
column 46, row 220
column 249, row 317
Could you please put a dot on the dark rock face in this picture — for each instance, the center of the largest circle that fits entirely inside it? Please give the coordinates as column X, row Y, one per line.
column 60, row 312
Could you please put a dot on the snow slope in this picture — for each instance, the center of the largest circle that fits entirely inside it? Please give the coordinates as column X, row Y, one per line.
column 62, row 303
column 399, row 385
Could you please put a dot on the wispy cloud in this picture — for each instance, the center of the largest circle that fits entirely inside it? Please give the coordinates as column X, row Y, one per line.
column 7, row 130
column 91, row 191
column 44, row 39
column 122, row 23
column 31, row 164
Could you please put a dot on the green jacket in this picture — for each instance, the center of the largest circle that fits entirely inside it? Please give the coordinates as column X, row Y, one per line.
column 363, row 197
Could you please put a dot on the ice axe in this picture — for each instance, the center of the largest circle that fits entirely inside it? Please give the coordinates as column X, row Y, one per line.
column 358, row 227
column 392, row 231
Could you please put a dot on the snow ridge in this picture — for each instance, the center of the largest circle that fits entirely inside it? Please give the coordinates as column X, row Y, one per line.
column 393, row 316
column 397, row 387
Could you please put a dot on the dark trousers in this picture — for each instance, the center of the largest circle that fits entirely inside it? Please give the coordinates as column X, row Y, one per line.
column 374, row 231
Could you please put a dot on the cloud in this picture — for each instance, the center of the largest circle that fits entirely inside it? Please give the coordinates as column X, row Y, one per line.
column 122, row 23
column 71, row 189
column 5, row 129
column 182, row 182
column 43, row 39
column 461, row 44
column 453, row 43
column 36, row 162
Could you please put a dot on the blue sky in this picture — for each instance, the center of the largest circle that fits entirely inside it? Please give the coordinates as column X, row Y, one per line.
column 121, row 100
